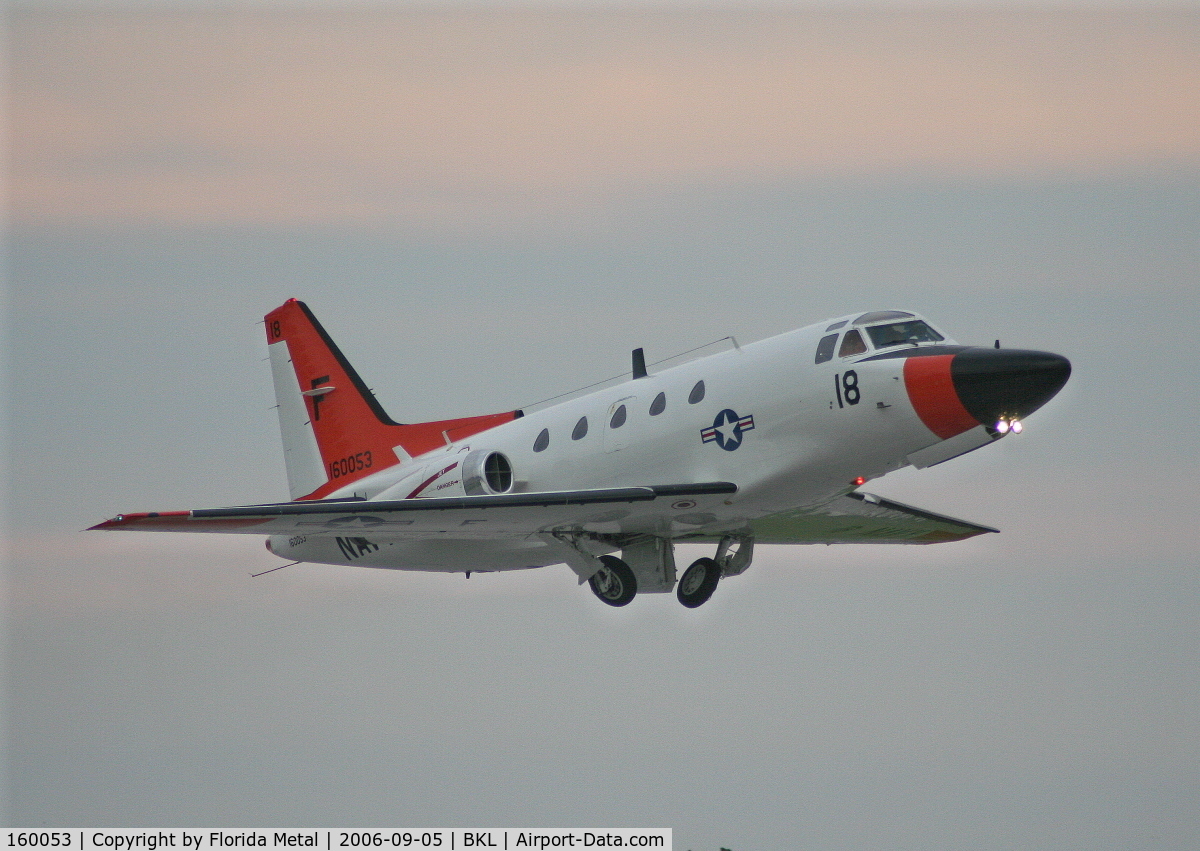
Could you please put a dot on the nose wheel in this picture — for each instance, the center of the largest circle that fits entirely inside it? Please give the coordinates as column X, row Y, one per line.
column 698, row 582
column 614, row 583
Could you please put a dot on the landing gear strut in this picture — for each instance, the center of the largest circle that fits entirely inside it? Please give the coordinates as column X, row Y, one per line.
column 614, row 583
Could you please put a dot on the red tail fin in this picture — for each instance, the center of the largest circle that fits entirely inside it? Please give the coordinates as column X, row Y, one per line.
column 334, row 430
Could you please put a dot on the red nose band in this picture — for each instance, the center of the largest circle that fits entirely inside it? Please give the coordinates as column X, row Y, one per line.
column 931, row 390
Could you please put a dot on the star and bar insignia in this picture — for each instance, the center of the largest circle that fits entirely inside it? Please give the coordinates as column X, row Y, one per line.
column 727, row 429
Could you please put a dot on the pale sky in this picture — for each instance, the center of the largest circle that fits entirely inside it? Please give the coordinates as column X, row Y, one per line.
column 423, row 119
column 488, row 207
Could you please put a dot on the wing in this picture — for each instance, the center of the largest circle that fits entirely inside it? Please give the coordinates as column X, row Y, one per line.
column 857, row 518
column 465, row 516
column 862, row 518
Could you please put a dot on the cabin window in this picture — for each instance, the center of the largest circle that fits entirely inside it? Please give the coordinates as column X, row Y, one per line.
column 697, row 393
column 658, row 405
column 825, row 347
column 618, row 418
column 903, row 333
column 580, row 431
column 543, row 440
column 852, row 344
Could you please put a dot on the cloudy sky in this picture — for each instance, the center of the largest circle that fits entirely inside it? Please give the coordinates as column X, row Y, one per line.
column 488, row 206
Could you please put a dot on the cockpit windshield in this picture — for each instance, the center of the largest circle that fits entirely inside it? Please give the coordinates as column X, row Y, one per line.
column 903, row 333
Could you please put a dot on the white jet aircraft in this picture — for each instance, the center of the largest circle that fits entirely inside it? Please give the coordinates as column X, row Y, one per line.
column 766, row 443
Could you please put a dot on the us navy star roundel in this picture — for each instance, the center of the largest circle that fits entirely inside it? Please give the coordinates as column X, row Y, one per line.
column 727, row 430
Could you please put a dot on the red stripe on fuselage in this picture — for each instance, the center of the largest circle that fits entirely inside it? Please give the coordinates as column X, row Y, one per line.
column 430, row 481
column 931, row 390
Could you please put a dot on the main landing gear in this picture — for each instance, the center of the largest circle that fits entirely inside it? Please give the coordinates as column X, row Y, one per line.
column 614, row 583
column 651, row 562
column 698, row 582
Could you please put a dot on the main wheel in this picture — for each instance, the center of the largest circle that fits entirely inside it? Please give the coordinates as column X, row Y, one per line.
column 698, row 582
column 614, row 583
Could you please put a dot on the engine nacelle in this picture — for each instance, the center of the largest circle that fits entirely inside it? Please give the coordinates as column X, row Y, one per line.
column 486, row 472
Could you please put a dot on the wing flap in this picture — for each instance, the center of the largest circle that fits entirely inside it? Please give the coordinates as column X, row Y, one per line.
column 465, row 516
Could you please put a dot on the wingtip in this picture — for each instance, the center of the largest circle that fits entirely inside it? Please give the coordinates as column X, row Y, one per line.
column 149, row 519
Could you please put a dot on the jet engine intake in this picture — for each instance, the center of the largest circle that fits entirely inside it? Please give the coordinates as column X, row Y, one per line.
column 485, row 472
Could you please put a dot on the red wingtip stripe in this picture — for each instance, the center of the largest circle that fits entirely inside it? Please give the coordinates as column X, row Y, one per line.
column 173, row 521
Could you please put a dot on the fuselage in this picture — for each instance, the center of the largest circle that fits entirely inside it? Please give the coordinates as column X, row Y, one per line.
column 802, row 445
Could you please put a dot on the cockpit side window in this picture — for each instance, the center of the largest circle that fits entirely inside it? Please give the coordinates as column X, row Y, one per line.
column 825, row 348
column 903, row 333
column 852, row 344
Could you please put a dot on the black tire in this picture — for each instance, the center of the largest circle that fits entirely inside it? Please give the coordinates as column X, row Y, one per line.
column 698, row 583
column 614, row 583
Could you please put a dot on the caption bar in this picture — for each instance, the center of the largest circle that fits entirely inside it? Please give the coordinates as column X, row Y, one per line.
column 443, row 839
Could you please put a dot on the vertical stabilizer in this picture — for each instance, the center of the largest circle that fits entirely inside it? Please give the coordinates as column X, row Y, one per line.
column 333, row 428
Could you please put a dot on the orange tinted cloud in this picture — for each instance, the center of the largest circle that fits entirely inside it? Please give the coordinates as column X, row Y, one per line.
column 378, row 117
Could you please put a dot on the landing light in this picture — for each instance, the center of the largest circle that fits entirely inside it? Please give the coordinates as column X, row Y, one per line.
column 1016, row 427
column 1002, row 426
column 1013, row 425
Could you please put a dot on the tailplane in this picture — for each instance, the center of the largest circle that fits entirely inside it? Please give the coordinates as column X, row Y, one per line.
column 334, row 430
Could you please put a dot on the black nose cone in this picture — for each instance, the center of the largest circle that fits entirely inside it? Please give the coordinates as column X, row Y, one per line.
column 1008, row 383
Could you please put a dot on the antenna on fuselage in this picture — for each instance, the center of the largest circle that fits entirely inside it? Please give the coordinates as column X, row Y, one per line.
column 622, row 375
column 639, row 363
